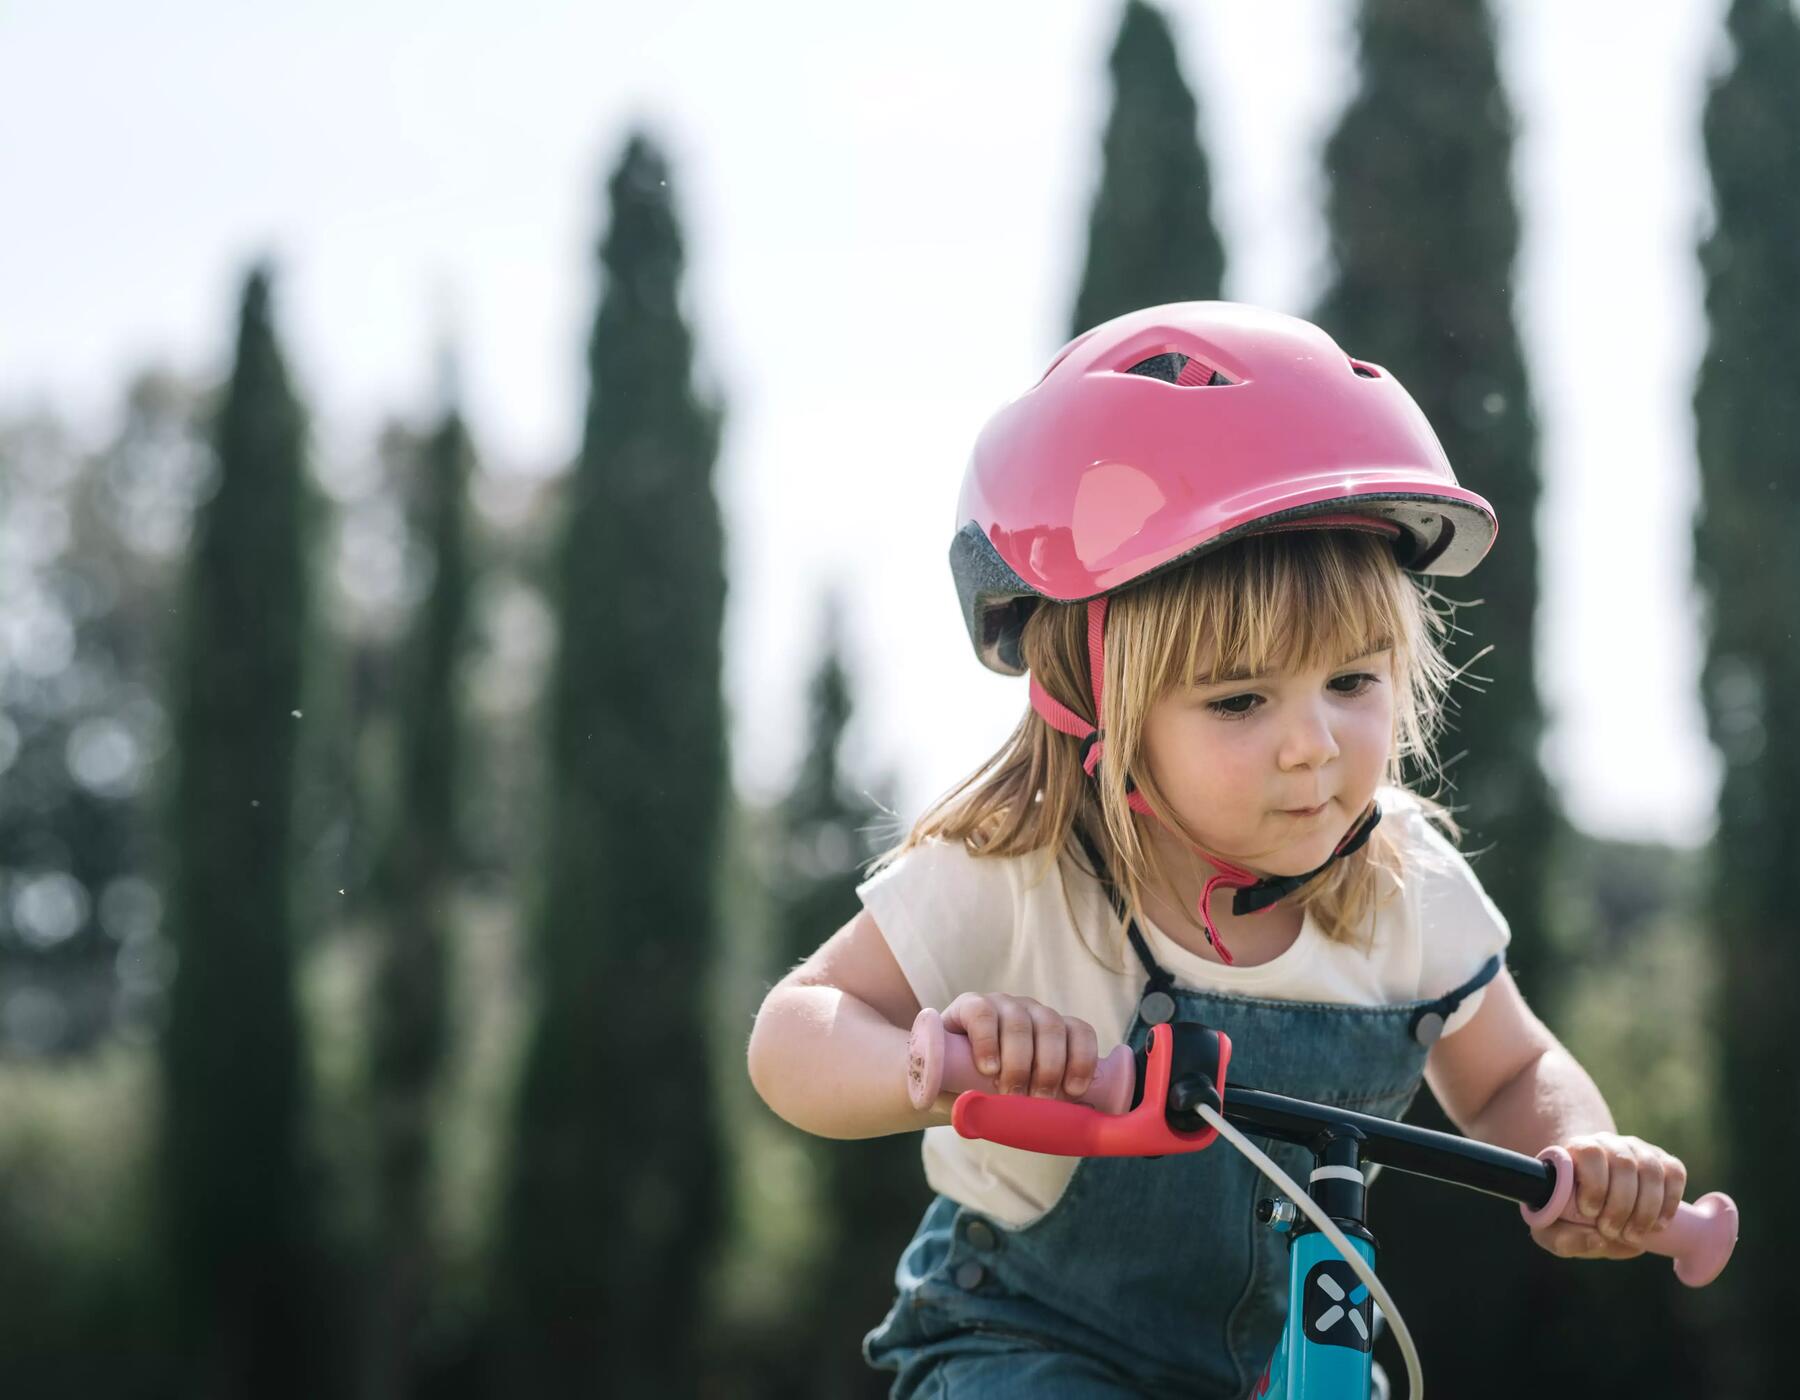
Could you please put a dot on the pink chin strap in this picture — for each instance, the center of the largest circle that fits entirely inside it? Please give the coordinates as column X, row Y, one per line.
column 1059, row 717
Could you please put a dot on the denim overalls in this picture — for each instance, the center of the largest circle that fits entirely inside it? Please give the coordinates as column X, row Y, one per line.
column 1148, row 1276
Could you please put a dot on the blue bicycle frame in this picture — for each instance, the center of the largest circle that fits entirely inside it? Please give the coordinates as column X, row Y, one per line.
column 1326, row 1349
column 1334, row 1353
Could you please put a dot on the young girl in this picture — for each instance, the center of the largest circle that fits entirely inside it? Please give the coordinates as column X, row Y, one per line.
column 1201, row 534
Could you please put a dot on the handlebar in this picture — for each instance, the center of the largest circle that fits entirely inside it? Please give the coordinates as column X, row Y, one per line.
column 1132, row 1110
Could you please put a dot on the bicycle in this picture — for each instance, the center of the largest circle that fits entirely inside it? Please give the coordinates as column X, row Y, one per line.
column 1173, row 1097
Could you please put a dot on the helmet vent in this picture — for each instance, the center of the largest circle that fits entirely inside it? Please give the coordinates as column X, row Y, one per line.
column 1365, row 371
column 1176, row 368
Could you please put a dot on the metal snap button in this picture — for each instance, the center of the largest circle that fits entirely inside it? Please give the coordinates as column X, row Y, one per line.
column 980, row 1234
column 1430, row 1026
column 1156, row 1008
column 969, row 1274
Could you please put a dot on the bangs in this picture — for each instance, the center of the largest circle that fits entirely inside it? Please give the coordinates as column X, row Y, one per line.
column 1272, row 603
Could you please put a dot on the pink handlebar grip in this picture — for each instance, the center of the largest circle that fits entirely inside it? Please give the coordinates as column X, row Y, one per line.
column 939, row 1061
column 1699, row 1238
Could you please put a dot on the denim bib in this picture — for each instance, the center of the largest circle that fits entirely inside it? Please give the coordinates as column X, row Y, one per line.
column 1147, row 1275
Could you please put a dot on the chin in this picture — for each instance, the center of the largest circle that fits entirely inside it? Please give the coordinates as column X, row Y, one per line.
column 1307, row 853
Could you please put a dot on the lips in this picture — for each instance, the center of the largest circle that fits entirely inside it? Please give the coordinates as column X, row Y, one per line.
column 1303, row 811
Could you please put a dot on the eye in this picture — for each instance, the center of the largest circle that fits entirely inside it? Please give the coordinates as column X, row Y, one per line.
column 1223, row 708
column 1357, row 683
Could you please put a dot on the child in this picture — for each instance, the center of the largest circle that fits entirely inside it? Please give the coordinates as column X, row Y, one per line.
column 1200, row 534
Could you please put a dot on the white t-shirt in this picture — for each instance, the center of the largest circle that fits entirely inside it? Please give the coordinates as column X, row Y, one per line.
column 961, row 923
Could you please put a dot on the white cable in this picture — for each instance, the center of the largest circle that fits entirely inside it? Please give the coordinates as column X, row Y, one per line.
column 1415, row 1378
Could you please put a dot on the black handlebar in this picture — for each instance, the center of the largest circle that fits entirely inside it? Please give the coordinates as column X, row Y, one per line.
column 1420, row 1151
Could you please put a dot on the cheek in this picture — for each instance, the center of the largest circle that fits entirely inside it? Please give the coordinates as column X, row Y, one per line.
column 1202, row 756
column 1366, row 739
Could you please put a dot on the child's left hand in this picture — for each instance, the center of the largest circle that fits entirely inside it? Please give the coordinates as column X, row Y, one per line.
column 1625, row 1188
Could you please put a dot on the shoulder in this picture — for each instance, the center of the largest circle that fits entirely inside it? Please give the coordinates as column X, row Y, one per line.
column 949, row 915
column 1427, row 852
column 943, row 864
column 961, row 920
column 1449, row 917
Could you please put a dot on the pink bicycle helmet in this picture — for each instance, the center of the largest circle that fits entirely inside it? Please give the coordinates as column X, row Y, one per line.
column 1173, row 430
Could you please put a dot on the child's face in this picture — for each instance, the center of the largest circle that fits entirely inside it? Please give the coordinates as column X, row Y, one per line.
column 1234, row 758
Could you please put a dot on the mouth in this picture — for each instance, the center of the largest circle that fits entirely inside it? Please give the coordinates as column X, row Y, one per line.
column 1305, row 811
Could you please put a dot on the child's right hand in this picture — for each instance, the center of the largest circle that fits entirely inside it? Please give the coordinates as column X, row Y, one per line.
column 1022, row 1044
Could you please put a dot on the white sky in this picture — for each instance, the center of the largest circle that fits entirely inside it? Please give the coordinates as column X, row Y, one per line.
column 885, row 210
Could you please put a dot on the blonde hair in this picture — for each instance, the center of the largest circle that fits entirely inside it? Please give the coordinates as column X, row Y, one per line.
column 1278, row 601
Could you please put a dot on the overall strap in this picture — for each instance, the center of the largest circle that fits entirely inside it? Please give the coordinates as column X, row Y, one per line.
column 1160, row 979
column 1427, row 1022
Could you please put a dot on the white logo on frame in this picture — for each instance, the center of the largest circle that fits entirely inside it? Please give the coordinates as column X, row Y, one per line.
column 1332, row 1315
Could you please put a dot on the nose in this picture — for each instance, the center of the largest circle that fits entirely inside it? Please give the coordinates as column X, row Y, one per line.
column 1307, row 740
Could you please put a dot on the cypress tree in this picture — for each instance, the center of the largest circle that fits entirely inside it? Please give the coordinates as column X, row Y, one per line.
column 871, row 1191
column 1424, row 234
column 1747, row 411
column 239, row 1215
column 413, row 885
column 616, row 1178
column 1150, row 234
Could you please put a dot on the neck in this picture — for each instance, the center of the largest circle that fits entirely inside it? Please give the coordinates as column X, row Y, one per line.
column 1188, row 870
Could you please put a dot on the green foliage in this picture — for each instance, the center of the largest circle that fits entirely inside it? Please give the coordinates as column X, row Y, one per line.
column 1747, row 412
column 1150, row 233
column 1639, row 982
column 239, row 1219
column 85, row 595
column 414, row 885
column 862, row 1198
column 81, row 1260
column 615, row 1192
column 1423, row 236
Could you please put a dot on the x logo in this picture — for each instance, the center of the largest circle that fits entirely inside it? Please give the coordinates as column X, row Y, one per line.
column 1338, row 1307
column 1334, row 1291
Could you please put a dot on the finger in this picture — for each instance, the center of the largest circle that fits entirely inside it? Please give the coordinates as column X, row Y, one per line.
column 1567, row 1239
column 1590, row 1178
column 1621, row 1194
column 1051, row 1053
column 1084, row 1058
column 1016, row 1044
column 1674, row 1187
column 1647, row 1211
column 976, row 1017
column 1571, row 1239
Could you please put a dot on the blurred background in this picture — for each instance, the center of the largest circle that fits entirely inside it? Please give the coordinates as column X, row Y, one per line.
column 474, row 496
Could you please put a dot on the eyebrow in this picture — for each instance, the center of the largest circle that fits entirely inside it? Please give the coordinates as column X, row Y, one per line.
column 1235, row 677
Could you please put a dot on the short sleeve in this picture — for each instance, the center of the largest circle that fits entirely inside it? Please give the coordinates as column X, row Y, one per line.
column 947, row 916
column 1460, row 927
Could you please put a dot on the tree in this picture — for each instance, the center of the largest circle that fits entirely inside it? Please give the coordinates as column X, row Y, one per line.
column 615, row 1188
column 413, row 885
column 1747, row 413
column 239, row 1211
column 1150, row 234
column 1423, row 236
column 871, row 1192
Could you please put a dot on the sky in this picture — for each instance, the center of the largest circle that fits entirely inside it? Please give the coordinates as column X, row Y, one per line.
column 885, row 211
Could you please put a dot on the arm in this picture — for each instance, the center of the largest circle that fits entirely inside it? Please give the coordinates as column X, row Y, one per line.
column 828, row 1051
column 1504, row 1078
column 830, row 1046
